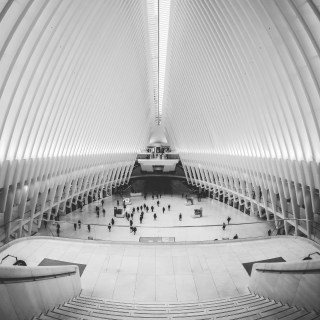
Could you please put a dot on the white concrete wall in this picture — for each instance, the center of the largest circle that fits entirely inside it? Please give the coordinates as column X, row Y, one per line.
column 301, row 290
column 21, row 300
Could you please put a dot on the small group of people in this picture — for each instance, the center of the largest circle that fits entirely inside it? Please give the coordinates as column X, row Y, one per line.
column 224, row 225
column 164, row 209
column 98, row 209
column 75, row 225
column 158, row 195
column 132, row 227
column 110, row 223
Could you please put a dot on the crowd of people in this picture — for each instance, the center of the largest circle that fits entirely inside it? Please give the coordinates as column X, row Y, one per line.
column 139, row 210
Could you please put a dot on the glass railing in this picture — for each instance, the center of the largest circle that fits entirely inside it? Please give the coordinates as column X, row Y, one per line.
column 182, row 232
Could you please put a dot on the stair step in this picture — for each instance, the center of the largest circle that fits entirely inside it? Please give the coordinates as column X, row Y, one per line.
column 244, row 307
column 242, row 315
column 295, row 315
column 70, row 306
column 192, row 318
column 55, row 315
column 262, row 304
column 309, row 316
column 280, row 312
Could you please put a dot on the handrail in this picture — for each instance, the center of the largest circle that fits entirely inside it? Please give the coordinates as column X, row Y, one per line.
column 37, row 278
column 290, row 271
column 179, row 226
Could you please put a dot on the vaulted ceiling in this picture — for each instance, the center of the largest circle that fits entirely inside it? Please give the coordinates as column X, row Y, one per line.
column 236, row 89
column 243, row 78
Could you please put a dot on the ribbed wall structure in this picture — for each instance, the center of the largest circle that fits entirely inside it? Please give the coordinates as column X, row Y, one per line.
column 76, row 101
column 241, row 102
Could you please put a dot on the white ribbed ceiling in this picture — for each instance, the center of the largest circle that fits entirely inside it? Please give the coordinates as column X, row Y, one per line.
column 243, row 78
column 234, row 83
column 75, row 78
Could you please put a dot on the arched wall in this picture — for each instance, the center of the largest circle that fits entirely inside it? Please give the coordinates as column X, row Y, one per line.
column 76, row 101
column 242, row 102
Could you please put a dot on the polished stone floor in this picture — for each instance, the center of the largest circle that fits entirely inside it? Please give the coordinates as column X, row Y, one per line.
column 167, row 224
column 163, row 272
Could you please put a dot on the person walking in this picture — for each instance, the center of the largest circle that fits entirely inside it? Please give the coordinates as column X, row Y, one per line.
column 180, row 217
column 45, row 222
column 223, row 226
column 163, row 209
column 169, row 207
column 131, row 215
column 229, row 219
column 75, row 226
column 144, row 206
column 79, row 224
column 102, row 202
column 154, row 216
column 109, row 227
column 158, row 202
column 269, row 232
column 147, row 209
column 134, row 230
column 141, row 219
column 137, row 209
column 98, row 213
column 112, row 221
column 58, row 232
column 152, row 207
column 58, row 226
column 104, row 212
column 131, row 223
column 141, row 208
column 89, row 227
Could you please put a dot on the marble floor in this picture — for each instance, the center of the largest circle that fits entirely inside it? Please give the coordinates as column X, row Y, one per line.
column 167, row 224
column 163, row 272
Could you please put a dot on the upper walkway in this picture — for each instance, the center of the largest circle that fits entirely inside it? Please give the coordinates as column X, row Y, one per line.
column 160, row 272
